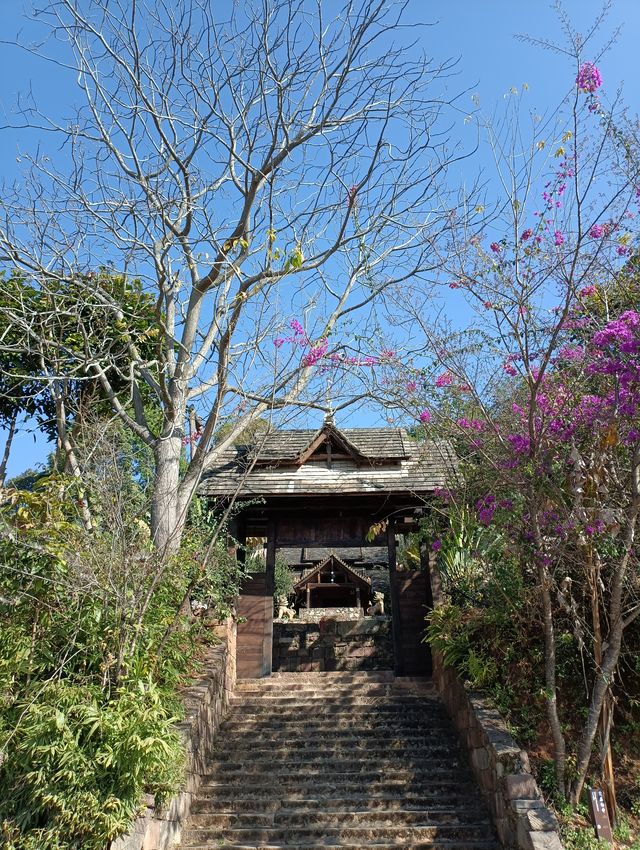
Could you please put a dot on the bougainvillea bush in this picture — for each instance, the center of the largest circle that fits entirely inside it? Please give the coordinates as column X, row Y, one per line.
column 541, row 396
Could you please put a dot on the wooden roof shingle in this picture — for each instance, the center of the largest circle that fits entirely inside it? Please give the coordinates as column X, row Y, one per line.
column 371, row 443
column 397, row 464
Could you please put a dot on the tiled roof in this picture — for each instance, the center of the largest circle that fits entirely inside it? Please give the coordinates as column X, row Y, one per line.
column 313, row 570
column 371, row 443
column 422, row 467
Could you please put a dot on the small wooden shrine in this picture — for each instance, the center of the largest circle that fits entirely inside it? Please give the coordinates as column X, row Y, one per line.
column 333, row 584
column 331, row 489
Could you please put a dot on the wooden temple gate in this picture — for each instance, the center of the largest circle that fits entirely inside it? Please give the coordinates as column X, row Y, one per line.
column 329, row 489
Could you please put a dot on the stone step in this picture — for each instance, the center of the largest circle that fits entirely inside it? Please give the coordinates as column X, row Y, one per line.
column 399, row 775
column 374, row 750
column 445, row 768
column 346, row 784
column 318, row 725
column 393, row 702
column 346, row 737
column 322, row 713
column 285, row 819
column 331, row 677
column 301, row 802
column 410, row 686
column 370, row 834
column 341, row 763
column 438, row 844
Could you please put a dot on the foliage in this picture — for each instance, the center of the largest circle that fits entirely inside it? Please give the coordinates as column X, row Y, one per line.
column 220, row 573
column 77, row 764
column 283, row 581
column 540, row 397
column 45, row 343
column 90, row 666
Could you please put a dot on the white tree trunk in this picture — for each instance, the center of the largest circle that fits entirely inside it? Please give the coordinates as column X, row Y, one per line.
column 166, row 522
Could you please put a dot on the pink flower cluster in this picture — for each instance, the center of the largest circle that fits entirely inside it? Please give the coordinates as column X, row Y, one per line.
column 299, row 336
column 316, row 353
column 192, row 439
column 444, row 380
column 486, row 507
column 319, row 351
column 588, row 78
column 470, row 424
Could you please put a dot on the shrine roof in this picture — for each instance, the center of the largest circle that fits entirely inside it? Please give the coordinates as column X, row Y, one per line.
column 362, row 578
column 369, row 461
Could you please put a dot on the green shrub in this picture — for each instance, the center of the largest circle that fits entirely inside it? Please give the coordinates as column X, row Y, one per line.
column 283, row 580
column 77, row 765
column 93, row 651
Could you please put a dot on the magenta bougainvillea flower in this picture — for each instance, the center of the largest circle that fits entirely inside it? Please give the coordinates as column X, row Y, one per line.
column 444, row 380
column 424, row 417
column 589, row 78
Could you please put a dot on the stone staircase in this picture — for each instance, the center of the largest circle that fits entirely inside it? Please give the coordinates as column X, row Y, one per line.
column 354, row 760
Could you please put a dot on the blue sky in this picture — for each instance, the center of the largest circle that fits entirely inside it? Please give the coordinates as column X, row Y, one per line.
column 478, row 32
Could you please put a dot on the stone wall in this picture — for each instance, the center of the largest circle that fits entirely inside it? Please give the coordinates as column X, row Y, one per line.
column 501, row 768
column 206, row 703
column 314, row 615
column 363, row 644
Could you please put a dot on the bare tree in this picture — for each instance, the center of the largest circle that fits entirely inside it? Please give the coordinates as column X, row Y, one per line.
column 271, row 166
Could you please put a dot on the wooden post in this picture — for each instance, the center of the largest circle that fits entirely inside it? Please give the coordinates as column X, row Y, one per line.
column 232, row 537
column 269, row 590
column 425, row 566
column 308, row 597
column 241, row 537
column 396, row 625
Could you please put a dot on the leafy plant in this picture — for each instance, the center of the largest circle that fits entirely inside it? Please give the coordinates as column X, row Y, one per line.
column 283, row 583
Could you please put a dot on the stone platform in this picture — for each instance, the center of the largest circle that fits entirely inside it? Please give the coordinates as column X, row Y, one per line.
column 332, row 644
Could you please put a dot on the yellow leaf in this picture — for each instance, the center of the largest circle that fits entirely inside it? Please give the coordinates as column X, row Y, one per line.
column 568, row 135
column 560, row 151
column 611, row 437
column 540, row 145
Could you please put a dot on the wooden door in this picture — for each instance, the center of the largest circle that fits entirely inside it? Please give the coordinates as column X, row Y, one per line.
column 412, row 589
column 255, row 629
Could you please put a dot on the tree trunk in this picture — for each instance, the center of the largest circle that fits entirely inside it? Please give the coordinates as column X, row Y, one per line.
column 600, row 693
column 7, row 447
column 167, row 521
column 550, row 680
column 604, row 675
